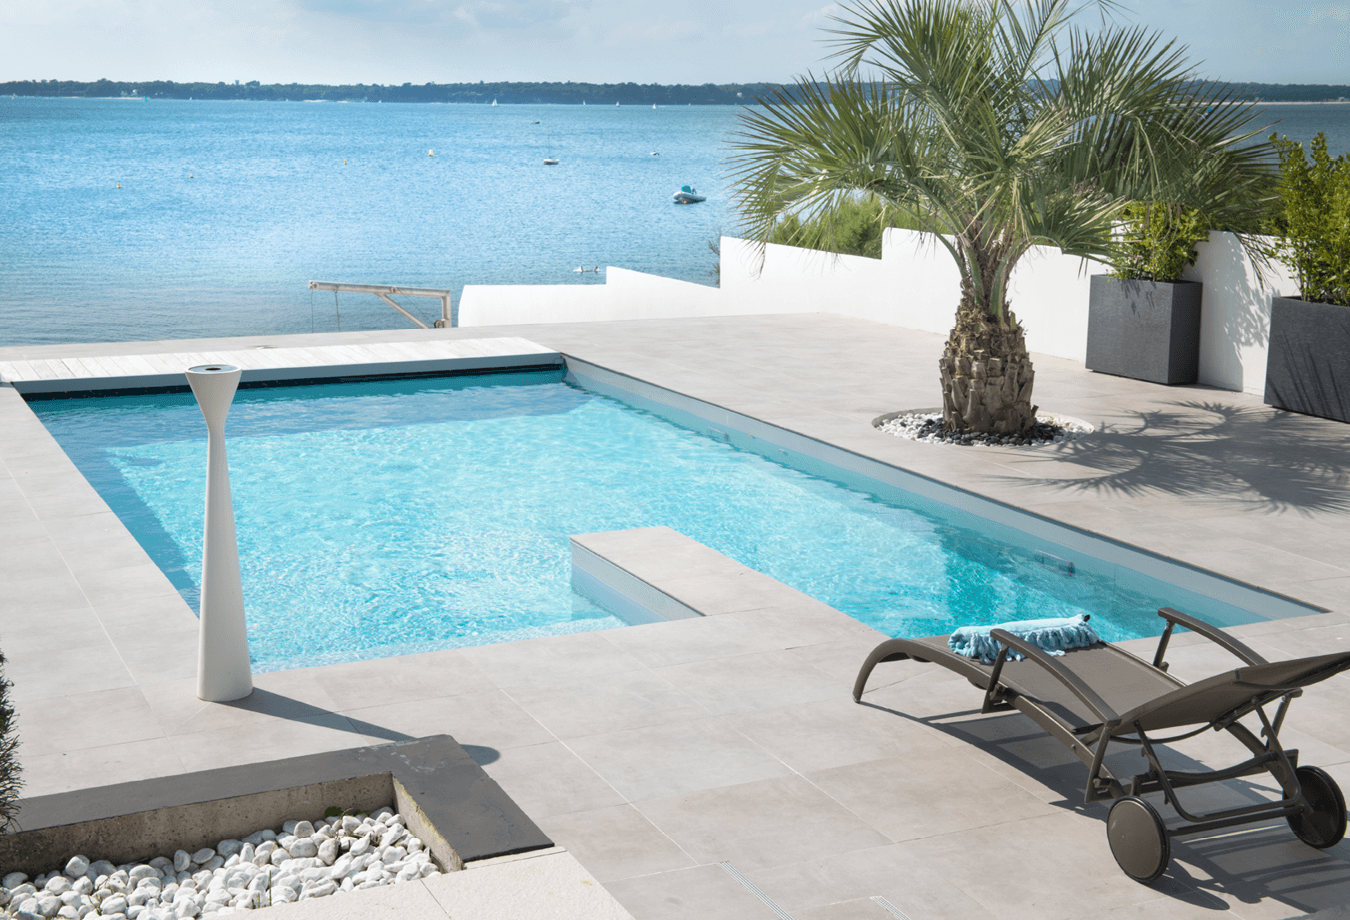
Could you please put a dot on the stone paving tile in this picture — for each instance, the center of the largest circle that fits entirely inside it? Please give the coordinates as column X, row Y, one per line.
column 555, row 659
column 701, row 893
column 549, row 779
column 840, row 731
column 101, row 554
column 608, row 703
column 29, row 554
column 85, row 720
column 545, row 887
column 746, row 682
column 1164, row 909
column 90, row 767
column 615, row 842
column 70, row 671
column 950, row 791
column 712, row 594
column 405, row 901
column 1045, row 868
column 1261, row 873
column 267, row 739
column 841, row 659
column 768, row 822
column 675, row 758
column 111, row 586
column 862, row 909
column 485, row 723
column 893, row 872
column 34, row 596
column 430, row 675
column 689, row 640
column 659, row 552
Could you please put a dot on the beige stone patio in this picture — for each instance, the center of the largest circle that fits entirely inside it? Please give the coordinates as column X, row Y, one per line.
column 654, row 753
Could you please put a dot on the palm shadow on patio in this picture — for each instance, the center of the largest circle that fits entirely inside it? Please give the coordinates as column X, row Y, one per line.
column 1241, row 458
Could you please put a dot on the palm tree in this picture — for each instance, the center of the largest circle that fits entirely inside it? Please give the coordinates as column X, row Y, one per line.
column 995, row 126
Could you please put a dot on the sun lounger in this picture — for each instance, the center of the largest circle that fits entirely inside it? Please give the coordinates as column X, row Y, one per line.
column 1090, row 697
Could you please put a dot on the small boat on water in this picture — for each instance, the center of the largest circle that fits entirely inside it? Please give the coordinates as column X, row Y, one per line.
column 688, row 195
column 550, row 161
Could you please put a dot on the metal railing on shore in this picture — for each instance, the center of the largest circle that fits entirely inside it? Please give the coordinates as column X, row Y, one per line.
column 385, row 292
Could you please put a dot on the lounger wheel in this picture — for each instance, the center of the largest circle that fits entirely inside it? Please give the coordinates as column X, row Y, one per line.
column 1324, row 826
column 1138, row 838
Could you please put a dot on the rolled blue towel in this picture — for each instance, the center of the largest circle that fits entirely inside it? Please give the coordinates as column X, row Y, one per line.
column 1054, row 635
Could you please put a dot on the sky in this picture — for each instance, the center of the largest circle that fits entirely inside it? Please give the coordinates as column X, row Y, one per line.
column 595, row 41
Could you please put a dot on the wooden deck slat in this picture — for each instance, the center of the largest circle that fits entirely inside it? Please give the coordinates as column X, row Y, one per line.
column 47, row 369
column 160, row 364
column 17, row 370
column 302, row 357
column 375, row 355
column 386, row 355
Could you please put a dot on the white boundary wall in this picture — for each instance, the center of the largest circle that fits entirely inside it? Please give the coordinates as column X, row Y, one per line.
column 915, row 285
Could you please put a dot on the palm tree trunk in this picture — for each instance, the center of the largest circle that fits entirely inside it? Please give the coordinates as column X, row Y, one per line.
column 986, row 372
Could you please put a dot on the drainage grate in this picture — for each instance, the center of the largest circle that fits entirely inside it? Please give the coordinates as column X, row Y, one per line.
column 753, row 889
column 890, row 907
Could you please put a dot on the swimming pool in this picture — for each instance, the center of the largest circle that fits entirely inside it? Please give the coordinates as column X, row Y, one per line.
column 390, row 516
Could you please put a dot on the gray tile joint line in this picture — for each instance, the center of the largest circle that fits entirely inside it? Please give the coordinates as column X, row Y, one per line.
column 751, row 887
column 890, row 907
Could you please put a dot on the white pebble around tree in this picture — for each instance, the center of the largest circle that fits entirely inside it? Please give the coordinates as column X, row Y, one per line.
column 303, row 860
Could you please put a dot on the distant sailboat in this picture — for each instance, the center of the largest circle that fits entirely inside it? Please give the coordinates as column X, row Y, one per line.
column 653, row 106
column 494, row 102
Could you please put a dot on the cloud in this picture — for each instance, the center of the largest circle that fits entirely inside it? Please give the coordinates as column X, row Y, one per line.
column 1331, row 12
column 819, row 18
column 647, row 31
column 488, row 14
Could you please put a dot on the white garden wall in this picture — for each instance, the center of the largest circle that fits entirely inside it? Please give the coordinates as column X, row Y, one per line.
column 1235, row 313
column 915, row 285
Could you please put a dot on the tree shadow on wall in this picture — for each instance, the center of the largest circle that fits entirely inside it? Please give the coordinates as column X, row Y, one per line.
column 1257, row 459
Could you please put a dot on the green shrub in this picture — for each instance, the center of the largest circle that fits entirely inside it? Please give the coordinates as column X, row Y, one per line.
column 1312, row 234
column 853, row 229
column 10, row 781
column 1158, row 241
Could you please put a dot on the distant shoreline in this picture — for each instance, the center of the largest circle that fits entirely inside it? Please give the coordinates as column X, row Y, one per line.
column 595, row 94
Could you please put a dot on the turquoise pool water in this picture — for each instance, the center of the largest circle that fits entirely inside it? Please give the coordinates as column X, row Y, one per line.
column 388, row 517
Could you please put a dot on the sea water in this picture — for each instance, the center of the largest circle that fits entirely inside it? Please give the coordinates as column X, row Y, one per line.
column 133, row 219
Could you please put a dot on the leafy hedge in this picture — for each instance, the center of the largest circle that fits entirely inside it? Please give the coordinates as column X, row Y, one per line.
column 1158, row 241
column 1312, row 234
column 854, row 228
column 10, row 781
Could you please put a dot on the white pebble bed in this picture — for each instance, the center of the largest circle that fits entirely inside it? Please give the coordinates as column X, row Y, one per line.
column 301, row 861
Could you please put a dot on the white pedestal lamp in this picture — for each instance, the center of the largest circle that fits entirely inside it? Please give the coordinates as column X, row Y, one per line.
column 223, row 671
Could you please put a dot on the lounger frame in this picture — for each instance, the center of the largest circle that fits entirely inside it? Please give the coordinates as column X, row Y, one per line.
column 1091, row 742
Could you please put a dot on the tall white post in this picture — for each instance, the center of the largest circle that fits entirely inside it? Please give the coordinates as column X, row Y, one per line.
column 223, row 671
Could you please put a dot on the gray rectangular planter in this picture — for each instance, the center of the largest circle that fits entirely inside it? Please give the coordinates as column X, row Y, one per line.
column 1148, row 330
column 1308, row 364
